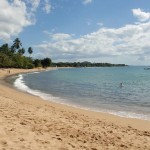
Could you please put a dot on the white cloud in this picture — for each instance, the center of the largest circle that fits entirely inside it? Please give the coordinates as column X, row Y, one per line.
column 100, row 24
column 47, row 7
column 15, row 15
column 60, row 37
column 33, row 4
column 85, row 2
column 130, row 40
column 141, row 15
column 13, row 18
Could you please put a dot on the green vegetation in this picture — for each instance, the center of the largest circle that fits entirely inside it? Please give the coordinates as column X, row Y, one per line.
column 86, row 64
column 13, row 57
column 46, row 62
column 30, row 50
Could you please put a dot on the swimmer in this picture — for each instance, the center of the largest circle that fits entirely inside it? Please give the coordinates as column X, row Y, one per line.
column 121, row 84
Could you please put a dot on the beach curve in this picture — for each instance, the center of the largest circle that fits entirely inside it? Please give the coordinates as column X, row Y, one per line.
column 28, row 122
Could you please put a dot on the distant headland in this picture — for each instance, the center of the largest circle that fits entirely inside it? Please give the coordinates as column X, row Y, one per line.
column 86, row 64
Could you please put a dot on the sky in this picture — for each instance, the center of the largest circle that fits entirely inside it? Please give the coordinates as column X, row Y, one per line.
column 113, row 31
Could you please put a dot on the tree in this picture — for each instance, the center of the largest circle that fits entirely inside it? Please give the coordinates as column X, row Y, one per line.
column 5, row 61
column 30, row 51
column 46, row 62
column 37, row 63
column 4, row 48
column 17, row 44
column 21, row 51
column 13, row 50
column 9, row 57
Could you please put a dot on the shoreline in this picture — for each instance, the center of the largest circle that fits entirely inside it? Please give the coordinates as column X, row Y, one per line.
column 80, row 120
column 123, row 114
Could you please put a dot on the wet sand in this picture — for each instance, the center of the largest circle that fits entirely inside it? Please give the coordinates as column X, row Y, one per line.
column 29, row 123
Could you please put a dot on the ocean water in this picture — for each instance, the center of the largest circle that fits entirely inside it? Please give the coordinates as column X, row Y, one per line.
column 96, row 89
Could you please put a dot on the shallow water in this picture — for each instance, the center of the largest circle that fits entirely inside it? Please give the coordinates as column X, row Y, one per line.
column 96, row 89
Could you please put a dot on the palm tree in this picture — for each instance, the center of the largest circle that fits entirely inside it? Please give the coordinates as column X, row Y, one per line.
column 13, row 49
column 17, row 43
column 30, row 51
column 21, row 51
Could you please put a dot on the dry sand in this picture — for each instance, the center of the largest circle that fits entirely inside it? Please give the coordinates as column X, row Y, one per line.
column 30, row 123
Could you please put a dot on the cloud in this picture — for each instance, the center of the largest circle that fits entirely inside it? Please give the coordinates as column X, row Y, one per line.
column 100, row 24
column 85, row 2
column 60, row 37
column 129, row 40
column 141, row 15
column 13, row 18
column 15, row 15
column 32, row 4
column 47, row 7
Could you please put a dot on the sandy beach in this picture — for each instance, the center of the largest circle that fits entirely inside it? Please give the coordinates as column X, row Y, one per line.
column 29, row 123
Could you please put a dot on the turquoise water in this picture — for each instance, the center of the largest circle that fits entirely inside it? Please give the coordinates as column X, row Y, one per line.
column 96, row 89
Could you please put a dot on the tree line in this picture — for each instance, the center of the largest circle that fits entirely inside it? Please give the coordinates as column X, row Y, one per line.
column 86, row 64
column 13, row 57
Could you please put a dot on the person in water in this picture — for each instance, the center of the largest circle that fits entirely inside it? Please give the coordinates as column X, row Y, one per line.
column 121, row 84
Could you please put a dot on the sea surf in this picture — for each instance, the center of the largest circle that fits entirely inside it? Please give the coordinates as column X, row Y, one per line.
column 96, row 89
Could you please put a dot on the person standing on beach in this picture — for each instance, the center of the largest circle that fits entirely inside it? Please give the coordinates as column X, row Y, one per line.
column 8, row 71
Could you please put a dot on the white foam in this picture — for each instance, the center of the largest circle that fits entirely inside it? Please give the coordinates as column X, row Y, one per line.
column 33, row 72
column 129, row 114
column 20, row 84
column 124, row 114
